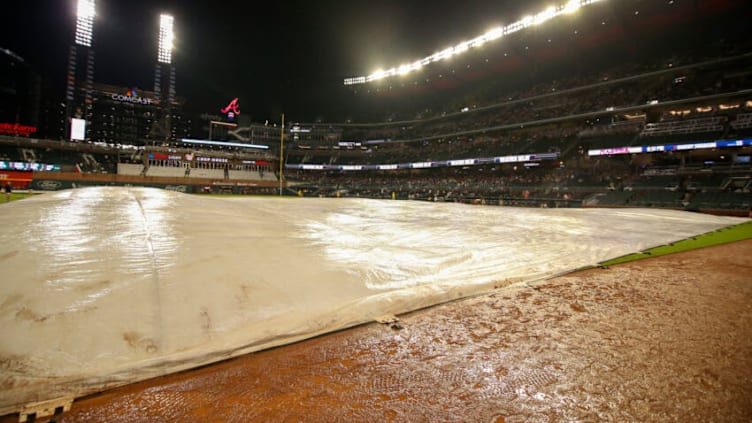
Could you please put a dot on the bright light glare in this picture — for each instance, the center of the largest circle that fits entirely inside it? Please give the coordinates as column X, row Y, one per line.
column 461, row 47
column 86, row 9
column 165, row 39
column 572, row 6
column 547, row 14
column 494, row 33
column 85, row 22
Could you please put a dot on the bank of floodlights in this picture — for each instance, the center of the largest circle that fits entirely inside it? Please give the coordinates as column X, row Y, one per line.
column 85, row 22
column 165, row 39
column 494, row 34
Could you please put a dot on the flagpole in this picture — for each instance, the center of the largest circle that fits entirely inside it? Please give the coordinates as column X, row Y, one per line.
column 281, row 156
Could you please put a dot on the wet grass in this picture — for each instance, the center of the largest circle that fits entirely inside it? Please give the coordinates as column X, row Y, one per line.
column 16, row 196
column 717, row 237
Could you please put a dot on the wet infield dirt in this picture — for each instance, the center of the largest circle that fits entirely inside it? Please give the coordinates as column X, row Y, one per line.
column 663, row 339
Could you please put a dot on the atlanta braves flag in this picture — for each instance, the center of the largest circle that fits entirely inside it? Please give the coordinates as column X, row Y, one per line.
column 232, row 109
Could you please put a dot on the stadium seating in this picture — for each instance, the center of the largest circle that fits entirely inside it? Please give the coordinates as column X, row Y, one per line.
column 165, row 171
column 251, row 175
column 129, row 169
column 204, row 173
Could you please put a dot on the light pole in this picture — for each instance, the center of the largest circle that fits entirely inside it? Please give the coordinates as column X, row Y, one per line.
column 281, row 155
column 165, row 69
column 80, row 51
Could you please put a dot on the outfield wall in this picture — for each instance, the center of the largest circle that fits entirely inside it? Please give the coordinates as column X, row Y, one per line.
column 54, row 181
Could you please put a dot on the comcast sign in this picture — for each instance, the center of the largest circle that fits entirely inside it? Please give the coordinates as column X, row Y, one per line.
column 132, row 97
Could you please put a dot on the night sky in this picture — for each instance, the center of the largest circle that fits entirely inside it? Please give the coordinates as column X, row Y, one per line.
column 286, row 57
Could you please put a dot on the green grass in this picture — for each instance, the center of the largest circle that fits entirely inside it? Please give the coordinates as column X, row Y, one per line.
column 720, row 236
column 15, row 196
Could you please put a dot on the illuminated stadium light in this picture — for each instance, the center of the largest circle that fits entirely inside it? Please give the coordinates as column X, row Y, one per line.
column 461, row 47
column 165, row 39
column 494, row 34
column 547, row 14
column 572, row 6
column 224, row 143
column 85, row 22
column 544, row 16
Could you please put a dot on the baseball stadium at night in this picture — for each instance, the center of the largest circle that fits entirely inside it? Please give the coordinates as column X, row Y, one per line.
column 376, row 211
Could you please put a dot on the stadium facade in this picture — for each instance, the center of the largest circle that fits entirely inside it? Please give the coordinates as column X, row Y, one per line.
column 123, row 115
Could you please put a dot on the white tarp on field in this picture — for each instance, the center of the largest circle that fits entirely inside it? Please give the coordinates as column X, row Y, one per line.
column 105, row 286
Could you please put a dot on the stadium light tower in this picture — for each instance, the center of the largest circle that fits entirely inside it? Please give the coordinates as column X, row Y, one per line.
column 165, row 70
column 539, row 18
column 85, row 22
column 78, row 98
column 165, row 39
